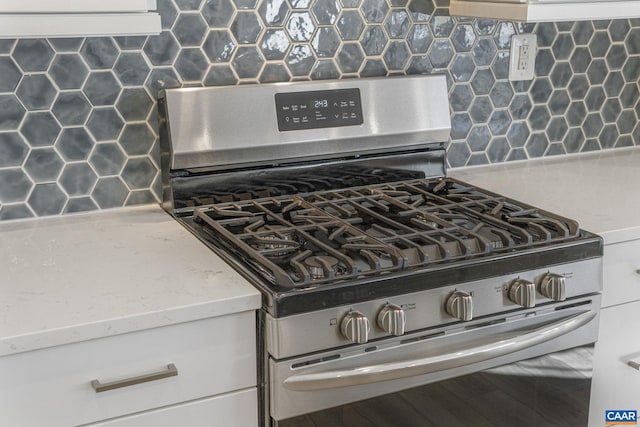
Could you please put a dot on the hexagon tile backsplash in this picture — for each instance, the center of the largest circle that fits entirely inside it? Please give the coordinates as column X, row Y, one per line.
column 78, row 120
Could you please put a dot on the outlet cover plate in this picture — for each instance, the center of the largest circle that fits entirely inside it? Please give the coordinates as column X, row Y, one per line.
column 522, row 57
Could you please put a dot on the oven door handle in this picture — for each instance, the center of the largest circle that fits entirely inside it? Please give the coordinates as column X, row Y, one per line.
column 442, row 362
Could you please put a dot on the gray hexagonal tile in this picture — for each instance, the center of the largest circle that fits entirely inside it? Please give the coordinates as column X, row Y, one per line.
column 397, row 23
column 300, row 60
column 573, row 140
column 484, row 27
column 79, row 204
column 131, row 69
column 162, row 49
column 632, row 42
column 499, row 122
column 611, row 110
column 484, row 51
column 350, row 57
column 105, row 124
column 498, row 150
column 161, row 78
column 138, row 173
column 168, row 13
column 599, row 44
column 561, row 75
column 544, row 62
column 421, row 10
column 614, row 83
column 578, row 87
column 597, row 71
column 137, row 139
column 345, row 3
column 562, row 46
column 134, row 104
column 350, row 25
column 616, row 57
column 247, row 62
column 458, row 153
column 518, row 134
column 539, row 118
column 272, row 73
column 557, row 129
column 501, row 94
column 595, row 98
column 300, row 26
column 582, row 32
column 47, row 199
column 78, row 179
column 217, row 13
column 6, row 45
column 559, row 102
column 462, row 67
column 130, row 42
column 626, row 121
column 100, row 53
column 219, row 45
column 68, row 71
column 576, row 113
column 191, row 65
column 245, row 4
column 10, row 74
column 619, row 29
column 460, row 125
column 71, row 44
column 419, row 64
column 220, row 75
column 102, row 88
column 482, row 81
column 110, row 193
column 419, row 38
column 40, row 129
column 374, row 11
column 592, row 125
column 609, row 136
column 521, row 106
column 629, row 95
column 33, row 54
column 500, row 66
column 546, row 32
column 246, row 27
column 631, row 69
column 580, row 59
column 107, row 159
column 396, row 55
column 15, row 185
column 74, row 144
column 481, row 109
column 16, row 211
column 540, row 90
column 441, row 53
column 13, row 151
column 537, row 145
column 36, row 92
column 325, row 69
column 461, row 97
column 275, row 43
column 190, row 29
column 274, row 12
column 479, row 138
column 463, row 37
column 71, row 108
column 140, row 197
column 442, row 26
column 502, row 36
column 478, row 159
column 43, row 165
column 11, row 112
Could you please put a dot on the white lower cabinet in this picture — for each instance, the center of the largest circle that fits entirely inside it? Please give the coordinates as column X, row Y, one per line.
column 234, row 409
column 185, row 363
column 616, row 384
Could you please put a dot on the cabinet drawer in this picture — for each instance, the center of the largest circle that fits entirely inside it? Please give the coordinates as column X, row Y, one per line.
column 621, row 273
column 239, row 409
column 212, row 356
column 616, row 385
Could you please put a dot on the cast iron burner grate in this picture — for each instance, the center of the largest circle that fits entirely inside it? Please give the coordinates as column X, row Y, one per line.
column 327, row 236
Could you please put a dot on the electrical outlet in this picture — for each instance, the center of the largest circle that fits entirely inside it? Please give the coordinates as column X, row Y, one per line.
column 523, row 56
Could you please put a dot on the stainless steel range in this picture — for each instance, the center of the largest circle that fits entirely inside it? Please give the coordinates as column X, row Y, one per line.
column 379, row 274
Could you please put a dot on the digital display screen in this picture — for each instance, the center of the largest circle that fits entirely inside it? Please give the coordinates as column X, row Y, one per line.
column 318, row 109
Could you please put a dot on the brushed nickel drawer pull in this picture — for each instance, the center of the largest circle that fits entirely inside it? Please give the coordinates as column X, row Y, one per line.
column 634, row 364
column 170, row 371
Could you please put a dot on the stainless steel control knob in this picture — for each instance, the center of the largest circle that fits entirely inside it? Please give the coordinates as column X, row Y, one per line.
column 460, row 305
column 553, row 286
column 392, row 319
column 355, row 327
column 523, row 292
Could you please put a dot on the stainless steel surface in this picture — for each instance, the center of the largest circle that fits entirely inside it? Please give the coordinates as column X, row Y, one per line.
column 392, row 319
column 523, row 292
column 578, row 321
column 355, row 327
column 554, row 286
column 496, row 346
column 227, row 126
column 289, row 336
column 460, row 305
column 170, row 371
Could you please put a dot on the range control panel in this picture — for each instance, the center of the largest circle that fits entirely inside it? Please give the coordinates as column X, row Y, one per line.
column 318, row 109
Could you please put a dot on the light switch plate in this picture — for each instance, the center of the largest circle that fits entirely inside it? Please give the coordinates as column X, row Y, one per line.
column 522, row 57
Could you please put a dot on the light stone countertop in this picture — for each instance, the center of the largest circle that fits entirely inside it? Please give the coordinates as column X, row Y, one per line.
column 78, row 277
column 601, row 190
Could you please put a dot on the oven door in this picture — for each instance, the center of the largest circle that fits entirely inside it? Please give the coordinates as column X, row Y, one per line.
column 487, row 372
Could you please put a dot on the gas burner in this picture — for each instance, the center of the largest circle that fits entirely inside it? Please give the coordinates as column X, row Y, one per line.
column 319, row 264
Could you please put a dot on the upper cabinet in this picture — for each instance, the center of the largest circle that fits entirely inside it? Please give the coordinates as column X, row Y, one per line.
column 73, row 18
column 546, row 10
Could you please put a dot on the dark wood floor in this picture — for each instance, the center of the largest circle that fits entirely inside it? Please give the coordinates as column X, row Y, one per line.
column 550, row 391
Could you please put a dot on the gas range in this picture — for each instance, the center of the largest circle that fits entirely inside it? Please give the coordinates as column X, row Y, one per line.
column 332, row 199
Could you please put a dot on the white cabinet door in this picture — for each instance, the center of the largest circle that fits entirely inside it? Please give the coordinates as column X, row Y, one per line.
column 616, row 385
column 621, row 273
